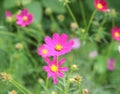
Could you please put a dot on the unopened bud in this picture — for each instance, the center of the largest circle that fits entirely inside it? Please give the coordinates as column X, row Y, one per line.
column 19, row 46
column 85, row 91
column 74, row 26
column 61, row 18
column 40, row 80
column 48, row 11
column 77, row 79
column 6, row 76
column 53, row 92
column 113, row 13
column 74, row 67
column 12, row 92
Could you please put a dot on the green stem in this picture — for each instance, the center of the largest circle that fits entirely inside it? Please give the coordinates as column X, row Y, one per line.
column 47, row 82
column 90, row 21
column 83, row 13
column 20, row 87
column 71, row 13
column 109, row 49
column 68, row 84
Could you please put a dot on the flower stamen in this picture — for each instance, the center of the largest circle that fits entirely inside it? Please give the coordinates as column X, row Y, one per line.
column 54, row 68
column 117, row 34
column 44, row 51
column 99, row 5
column 25, row 18
column 58, row 47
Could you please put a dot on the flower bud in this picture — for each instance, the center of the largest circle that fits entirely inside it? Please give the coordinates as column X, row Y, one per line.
column 61, row 18
column 12, row 92
column 74, row 26
column 74, row 67
column 19, row 46
column 48, row 11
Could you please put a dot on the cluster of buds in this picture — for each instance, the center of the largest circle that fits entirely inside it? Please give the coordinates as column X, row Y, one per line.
column 5, row 76
column 76, row 79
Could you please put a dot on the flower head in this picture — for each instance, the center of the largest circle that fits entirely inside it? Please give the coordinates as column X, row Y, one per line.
column 42, row 51
column 55, row 69
column 93, row 54
column 111, row 64
column 101, row 5
column 58, row 45
column 8, row 16
column 24, row 19
column 116, row 33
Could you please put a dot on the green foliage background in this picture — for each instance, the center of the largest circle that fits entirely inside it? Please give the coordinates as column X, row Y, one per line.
column 26, row 67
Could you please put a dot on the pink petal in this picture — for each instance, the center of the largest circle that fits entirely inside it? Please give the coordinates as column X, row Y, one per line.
column 55, row 80
column 69, row 44
column 62, row 61
column 63, row 69
column 49, row 74
column 56, row 38
column 60, row 74
column 48, row 41
column 46, row 68
column 47, row 60
column 30, row 19
column 24, row 12
column 64, row 38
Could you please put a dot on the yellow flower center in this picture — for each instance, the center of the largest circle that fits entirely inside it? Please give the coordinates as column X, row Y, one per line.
column 25, row 18
column 117, row 34
column 44, row 51
column 54, row 68
column 99, row 5
column 58, row 47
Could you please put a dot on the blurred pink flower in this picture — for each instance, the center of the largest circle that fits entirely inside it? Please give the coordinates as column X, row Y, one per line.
column 101, row 5
column 115, row 33
column 42, row 51
column 8, row 14
column 76, row 44
column 24, row 19
column 111, row 64
column 54, row 68
column 58, row 45
column 93, row 54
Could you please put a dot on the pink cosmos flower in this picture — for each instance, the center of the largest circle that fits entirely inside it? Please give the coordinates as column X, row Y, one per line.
column 101, row 5
column 24, row 19
column 8, row 14
column 111, row 64
column 116, row 33
column 42, row 51
column 76, row 44
column 58, row 45
column 93, row 54
column 54, row 68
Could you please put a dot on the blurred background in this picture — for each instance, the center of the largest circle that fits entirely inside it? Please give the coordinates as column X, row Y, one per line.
column 88, row 61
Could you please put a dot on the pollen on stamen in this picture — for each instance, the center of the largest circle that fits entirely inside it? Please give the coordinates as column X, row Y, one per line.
column 25, row 18
column 99, row 5
column 117, row 34
column 54, row 68
column 58, row 47
column 44, row 51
